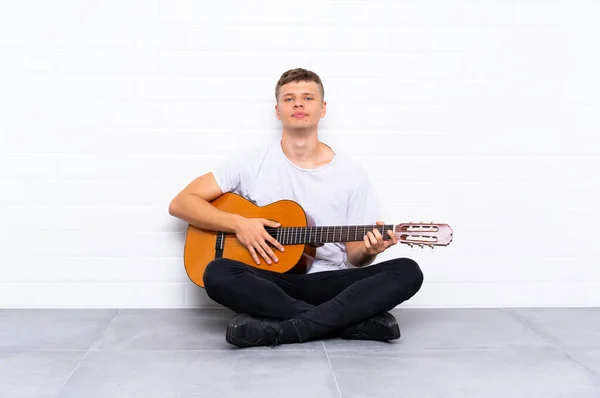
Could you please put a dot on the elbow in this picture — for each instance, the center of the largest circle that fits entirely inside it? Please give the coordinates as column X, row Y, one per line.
column 174, row 208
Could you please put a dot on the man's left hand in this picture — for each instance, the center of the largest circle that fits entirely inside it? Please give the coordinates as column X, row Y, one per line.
column 374, row 243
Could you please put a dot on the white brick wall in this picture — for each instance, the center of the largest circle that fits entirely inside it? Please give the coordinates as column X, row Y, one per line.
column 485, row 116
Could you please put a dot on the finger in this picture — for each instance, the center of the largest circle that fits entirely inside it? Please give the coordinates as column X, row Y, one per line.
column 260, row 251
column 377, row 235
column 393, row 236
column 270, row 223
column 379, row 243
column 368, row 246
column 253, row 254
column 372, row 238
column 269, row 252
column 274, row 242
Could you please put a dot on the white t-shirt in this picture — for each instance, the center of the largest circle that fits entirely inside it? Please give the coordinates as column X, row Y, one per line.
column 339, row 193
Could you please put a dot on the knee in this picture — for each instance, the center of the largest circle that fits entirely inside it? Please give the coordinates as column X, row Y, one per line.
column 418, row 277
column 407, row 270
column 216, row 277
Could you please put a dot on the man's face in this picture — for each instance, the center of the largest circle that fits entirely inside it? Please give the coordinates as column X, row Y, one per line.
column 300, row 105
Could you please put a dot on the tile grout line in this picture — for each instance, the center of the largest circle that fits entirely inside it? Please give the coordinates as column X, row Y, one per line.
column 331, row 368
column 86, row 354
column 554, row 343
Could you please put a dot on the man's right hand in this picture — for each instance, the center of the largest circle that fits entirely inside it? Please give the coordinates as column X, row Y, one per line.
column 252, row 234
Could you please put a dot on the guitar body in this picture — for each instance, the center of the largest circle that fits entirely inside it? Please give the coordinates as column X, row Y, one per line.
column 203, row 246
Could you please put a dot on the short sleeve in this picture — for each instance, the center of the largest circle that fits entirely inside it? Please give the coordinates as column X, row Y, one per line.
column 230, row 174
column 363, row 204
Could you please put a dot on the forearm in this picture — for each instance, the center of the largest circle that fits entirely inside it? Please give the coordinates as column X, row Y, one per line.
column 358, row 258
column 200, row 213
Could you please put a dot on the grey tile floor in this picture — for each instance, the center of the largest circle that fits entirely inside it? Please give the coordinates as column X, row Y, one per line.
column 549, row 352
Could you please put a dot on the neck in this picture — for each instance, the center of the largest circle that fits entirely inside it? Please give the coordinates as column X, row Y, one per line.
column 325, row 234
column 303, row 148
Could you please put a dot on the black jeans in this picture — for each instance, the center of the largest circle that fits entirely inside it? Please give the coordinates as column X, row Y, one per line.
column 318, row 304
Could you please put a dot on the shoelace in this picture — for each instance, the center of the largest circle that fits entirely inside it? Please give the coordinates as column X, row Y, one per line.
column 273, row 334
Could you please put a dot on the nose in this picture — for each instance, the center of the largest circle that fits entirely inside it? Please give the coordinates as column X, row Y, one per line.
column 298, row 104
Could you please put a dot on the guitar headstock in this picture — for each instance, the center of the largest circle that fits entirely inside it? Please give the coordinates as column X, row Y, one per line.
column 424, row 234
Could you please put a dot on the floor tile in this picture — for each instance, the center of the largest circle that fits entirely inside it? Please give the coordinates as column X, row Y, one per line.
column 31, row 374
column 44, row 329
column 176, row 329
column 569, row 327
column 589, row 358
column 489, row 373
column 166, row 374
column 450, row 328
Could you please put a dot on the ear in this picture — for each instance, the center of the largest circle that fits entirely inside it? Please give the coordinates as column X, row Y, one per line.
column 277, row 112
column 323, row 109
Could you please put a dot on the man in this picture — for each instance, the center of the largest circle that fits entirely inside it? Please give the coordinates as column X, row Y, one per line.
column 331, row 299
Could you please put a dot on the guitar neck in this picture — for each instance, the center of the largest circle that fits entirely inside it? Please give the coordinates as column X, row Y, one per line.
column 325, row 234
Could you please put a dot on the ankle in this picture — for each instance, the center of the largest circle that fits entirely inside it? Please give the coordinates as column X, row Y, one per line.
column 289, row 334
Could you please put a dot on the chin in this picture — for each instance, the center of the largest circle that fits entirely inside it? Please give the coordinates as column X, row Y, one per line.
column 299, row 130
column 299, row 127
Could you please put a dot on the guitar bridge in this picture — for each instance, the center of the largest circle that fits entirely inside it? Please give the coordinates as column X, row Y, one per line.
column 219, row 244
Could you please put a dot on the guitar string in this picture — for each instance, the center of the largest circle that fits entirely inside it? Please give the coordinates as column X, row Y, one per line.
column 288, row 235
column 301, row 234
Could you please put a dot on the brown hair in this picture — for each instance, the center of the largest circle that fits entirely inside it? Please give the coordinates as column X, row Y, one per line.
column 298, row 75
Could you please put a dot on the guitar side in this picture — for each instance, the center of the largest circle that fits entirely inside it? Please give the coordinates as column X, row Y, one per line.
column 200, row 244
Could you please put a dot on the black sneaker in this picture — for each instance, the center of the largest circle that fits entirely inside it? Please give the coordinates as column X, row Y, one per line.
column 247, row 331
column 382, row 327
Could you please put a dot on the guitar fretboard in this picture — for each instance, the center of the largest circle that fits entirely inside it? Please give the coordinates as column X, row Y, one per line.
column 325, row 234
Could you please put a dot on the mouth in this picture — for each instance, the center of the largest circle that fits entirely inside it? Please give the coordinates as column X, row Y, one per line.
column 299, row 115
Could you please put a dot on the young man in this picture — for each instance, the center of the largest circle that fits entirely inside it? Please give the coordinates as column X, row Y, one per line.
column 332, row 299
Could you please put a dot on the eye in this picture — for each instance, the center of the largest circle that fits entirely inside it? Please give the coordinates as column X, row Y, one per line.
column 309, row 98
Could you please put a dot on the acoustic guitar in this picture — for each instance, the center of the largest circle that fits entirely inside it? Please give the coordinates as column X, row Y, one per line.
column 297, row 233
